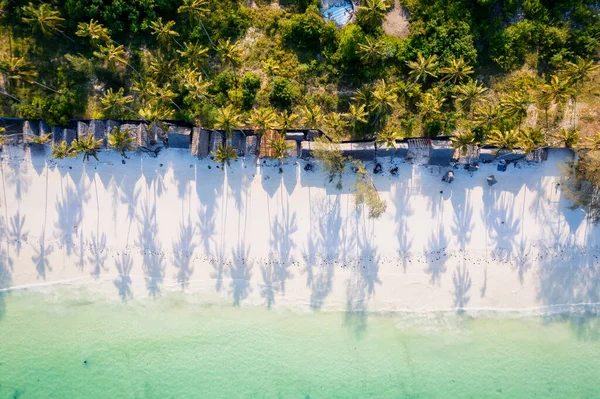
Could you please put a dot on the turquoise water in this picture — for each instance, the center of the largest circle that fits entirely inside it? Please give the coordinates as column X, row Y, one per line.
column 173, row 348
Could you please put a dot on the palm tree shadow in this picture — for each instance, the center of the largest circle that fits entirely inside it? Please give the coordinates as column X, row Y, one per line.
column 268, row 288
column 40, row 258
column 436, row 264
column 123, row 281
column 462, row 285
column 183, row 251
column 321, row 251
column 5, row 279
column 17, row 233
column 240, row 271
column 153, row 267
column 69, row 211
column 98, row 255
column 282, row 246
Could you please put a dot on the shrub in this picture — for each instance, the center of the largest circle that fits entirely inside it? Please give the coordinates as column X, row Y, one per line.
column 282, row 93
column 250, row 86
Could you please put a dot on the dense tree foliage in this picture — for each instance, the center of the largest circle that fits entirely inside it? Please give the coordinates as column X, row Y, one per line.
column 469, row 68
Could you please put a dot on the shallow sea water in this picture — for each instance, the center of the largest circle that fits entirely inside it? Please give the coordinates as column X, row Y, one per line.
column 67, row 347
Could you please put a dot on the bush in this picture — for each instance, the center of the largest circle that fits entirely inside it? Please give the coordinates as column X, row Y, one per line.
column 304, row 30
column 282, row 93
column 250, row 86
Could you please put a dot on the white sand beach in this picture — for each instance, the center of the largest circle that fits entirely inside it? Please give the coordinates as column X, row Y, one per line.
column 253, row 236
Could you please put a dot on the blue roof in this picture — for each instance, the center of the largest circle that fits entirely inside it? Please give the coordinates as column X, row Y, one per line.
column 340, row 13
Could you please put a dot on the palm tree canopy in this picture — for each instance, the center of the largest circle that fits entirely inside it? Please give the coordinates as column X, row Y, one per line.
column 279, row 146
column 356, row 114
column 194, row 8
column 224, row 155
column 388, row 136
column 312, row 117
column 112, row 54
column 228, row 119
column 121, row 140
column 335, row 125
column 384, row 97
column 374, row 10
column 531, row 139
column 18, row 69
column 163, row 30
column 568, row 137
column 262, row 119
column 422, row 67
column 285, row 120
column 193, row 52
column 578, row 72
column 93, row 29
column 463, row 141
column 558, row 90
column 43, row 17
column 113, row 102
column 516, row 105
column 594, row 142
column 468, row 93
column 504, row 139
column 457, row 71
column 370, row 51
column 229, row 52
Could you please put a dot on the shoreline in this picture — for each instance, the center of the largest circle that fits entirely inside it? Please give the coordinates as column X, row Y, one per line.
column 156, row 226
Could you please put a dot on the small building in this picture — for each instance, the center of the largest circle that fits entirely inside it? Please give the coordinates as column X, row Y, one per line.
column 441, row 153
column 179, row 136
column 200, row 142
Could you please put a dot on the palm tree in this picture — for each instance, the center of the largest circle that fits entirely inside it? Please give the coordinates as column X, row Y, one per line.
column 154, row 113
column 430, row 104
column 594, row 142
column 230, row 53
column 364, row 96
column 20, row 70
column 578, row 72
column 312, row 117
column 164, row 32
column 388, row 136
column 279, row 147
column 94, row 30
column 568, row 137
column 42, row 139
column 516, row 106
column 463, row 140
column 113, row 55
column 285, row 120
column 384, row 97
column 224, row 155
column 370, row 51
column 261, row 120
column 61, row 151
column 196, row 9
column 531, row 139
column 467, row 95
column 197, row 88
column 43, row 18
column 422, row 67
column 356, row 114
column 121, row 140
column 228, row 120
column 87, row 146
column 374, row 11
column 161, row 68
column 504, row 139
column 335, row 125
column 114, row 102
column 457, row 71
column 558, row 91
column 195, row 54
column 166, row 95
column 486, row 115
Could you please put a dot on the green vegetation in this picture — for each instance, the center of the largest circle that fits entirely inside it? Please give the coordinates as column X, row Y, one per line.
column 121, row 140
